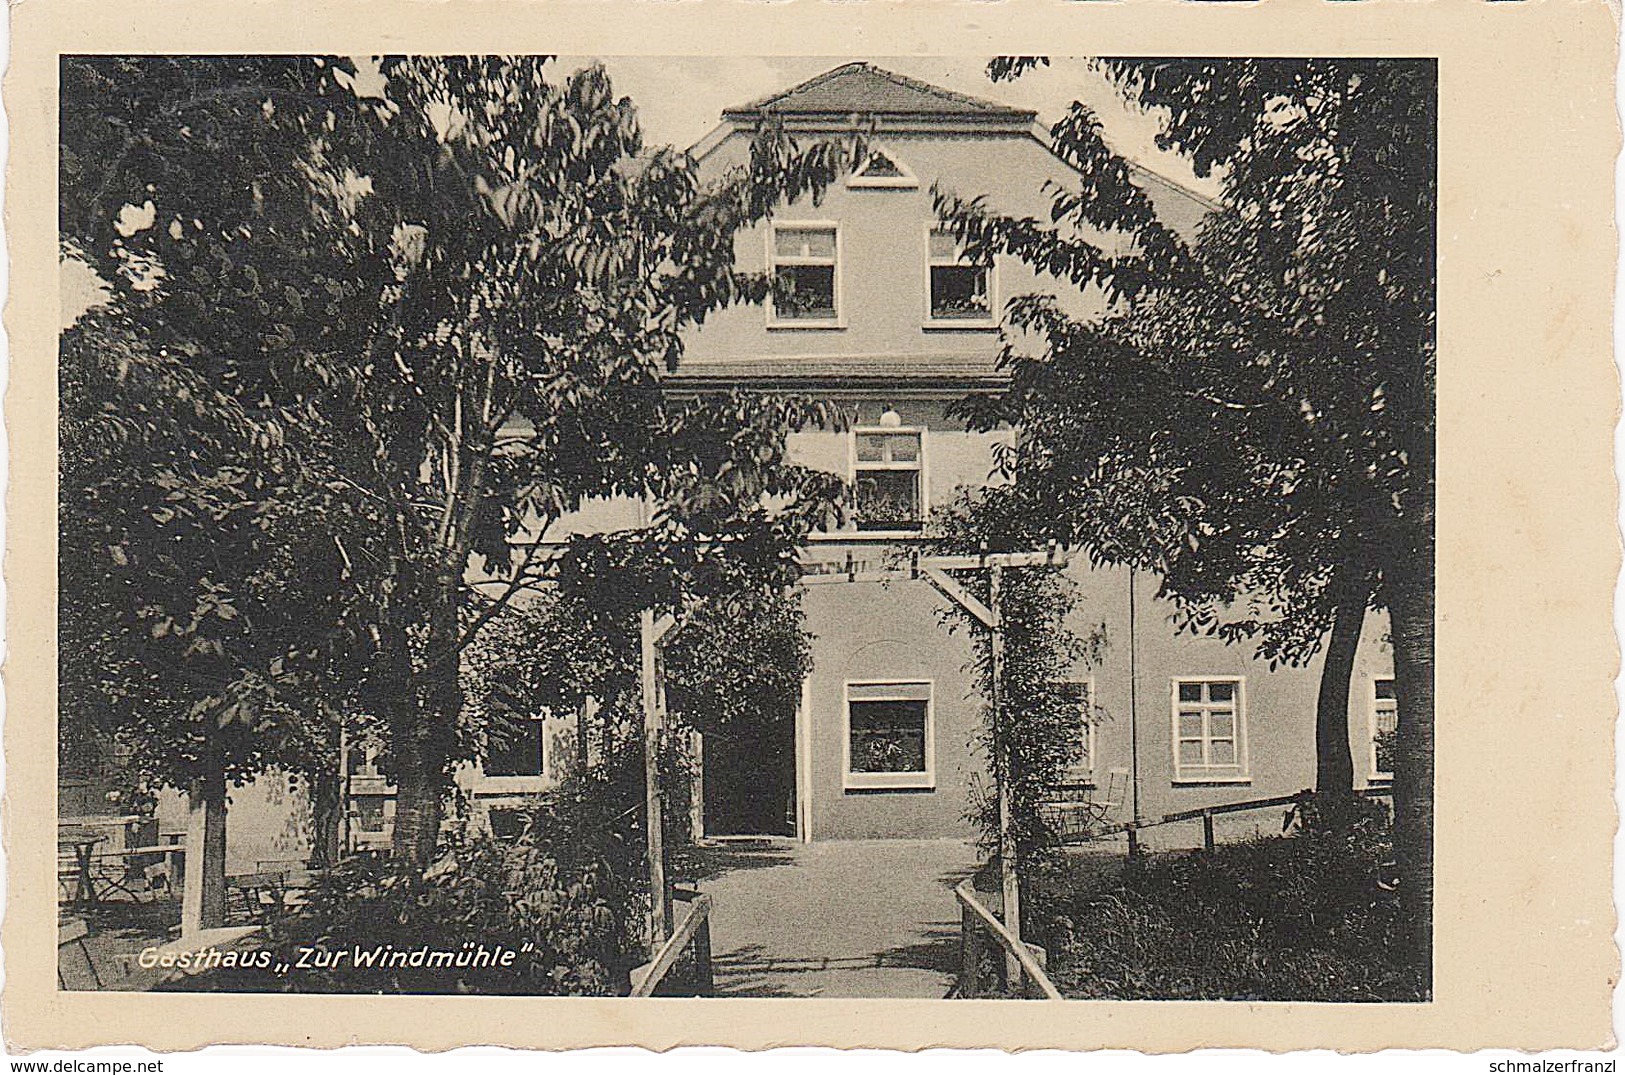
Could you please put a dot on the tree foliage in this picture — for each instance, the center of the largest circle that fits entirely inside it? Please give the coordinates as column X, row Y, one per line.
column 1242, row 419
column 457, row 283
column 203, row 616
column 1253, row 416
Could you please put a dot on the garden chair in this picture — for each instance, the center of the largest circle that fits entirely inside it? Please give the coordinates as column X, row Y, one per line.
column 296, row 877
column 67, row 876
column 272, row 889
column 252, row 897
column 70, row 936
column 157, row 881
column 1078, row 811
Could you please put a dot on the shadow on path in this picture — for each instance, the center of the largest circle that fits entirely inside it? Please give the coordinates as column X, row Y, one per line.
column 873, row 918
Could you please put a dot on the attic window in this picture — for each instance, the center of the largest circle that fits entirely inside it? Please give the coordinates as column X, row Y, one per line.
column 883, row 170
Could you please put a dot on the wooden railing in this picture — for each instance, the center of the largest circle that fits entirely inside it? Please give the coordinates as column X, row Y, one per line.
column 1208, row 813
column 695, row 929
column 976, row 920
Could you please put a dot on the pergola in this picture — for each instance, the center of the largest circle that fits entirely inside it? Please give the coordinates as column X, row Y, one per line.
column 203, row 896
column 934, row 569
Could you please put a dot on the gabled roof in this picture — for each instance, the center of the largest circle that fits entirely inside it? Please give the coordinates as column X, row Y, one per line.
column 864, row 88
column 861, row 91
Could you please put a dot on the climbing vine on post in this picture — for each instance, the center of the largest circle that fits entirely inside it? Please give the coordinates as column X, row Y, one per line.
column 1040, row 722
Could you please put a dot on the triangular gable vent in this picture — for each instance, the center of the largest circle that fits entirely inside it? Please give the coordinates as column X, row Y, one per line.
column 882, row 170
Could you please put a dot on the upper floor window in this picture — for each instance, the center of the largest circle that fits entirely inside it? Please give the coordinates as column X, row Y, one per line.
column 364, row 760
column 804, row 261
column 1210, row 730
column 883, row 170
column 961, row 291
column 888, row 478
column 1384, row 727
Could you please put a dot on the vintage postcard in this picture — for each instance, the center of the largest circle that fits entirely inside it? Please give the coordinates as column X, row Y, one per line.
column 936, row 524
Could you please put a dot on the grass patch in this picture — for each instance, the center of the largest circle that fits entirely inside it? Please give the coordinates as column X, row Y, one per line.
column 1300, row 917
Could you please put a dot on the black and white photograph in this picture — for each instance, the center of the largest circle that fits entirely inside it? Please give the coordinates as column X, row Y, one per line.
column 731, row 526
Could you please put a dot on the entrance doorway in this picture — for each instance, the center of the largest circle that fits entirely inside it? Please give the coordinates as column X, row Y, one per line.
column 750, row 777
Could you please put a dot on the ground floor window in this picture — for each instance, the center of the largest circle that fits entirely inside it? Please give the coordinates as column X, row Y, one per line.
column 1210, row 729
column 1384, row 726
column 370, row 813
column 889, row 735
column 517, row 748
column 1079, row 696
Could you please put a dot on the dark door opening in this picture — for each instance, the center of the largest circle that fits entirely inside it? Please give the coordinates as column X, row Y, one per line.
column 750, row 778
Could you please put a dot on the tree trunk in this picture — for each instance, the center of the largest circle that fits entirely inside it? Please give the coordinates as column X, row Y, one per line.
column 1334, row 761
column 606, row 747
column 326, row 816
column 1411, row 608
column 583, row 755
column 419, row 788
column 418, row 760
column 203, row 897
column 423, row 730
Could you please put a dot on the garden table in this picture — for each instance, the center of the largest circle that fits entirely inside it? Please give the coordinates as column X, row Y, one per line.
column 83, row 841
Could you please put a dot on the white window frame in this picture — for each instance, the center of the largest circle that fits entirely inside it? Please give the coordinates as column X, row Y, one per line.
column 368, row 769
column 853, row 466
column 906, row 181
column 935, row 324
column 1208, row 773
column 1379, row 775
column 926, row 781
column 1085, row 774
column 379, row 837
column 774, row 261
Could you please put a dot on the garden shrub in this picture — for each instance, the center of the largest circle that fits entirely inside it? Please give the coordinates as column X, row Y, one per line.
column 1307, row 916
column 566, row 896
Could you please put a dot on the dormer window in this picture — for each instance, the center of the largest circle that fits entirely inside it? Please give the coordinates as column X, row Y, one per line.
column 804, row 261
column 961, row 290
column 883, row 170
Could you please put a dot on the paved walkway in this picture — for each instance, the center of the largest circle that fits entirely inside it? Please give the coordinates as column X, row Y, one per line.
column 861, row 918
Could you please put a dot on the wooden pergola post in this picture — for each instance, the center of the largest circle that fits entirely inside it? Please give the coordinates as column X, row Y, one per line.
column 652, row 631
column 696, row 790
column 935, row 570
column 1009, row 880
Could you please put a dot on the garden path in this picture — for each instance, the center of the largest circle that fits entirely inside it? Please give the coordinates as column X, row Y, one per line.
column 858, row 918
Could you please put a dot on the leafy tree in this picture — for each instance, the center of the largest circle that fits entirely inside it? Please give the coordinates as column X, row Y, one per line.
column 461, row 283
column 202, row 610
column 1253, row 416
